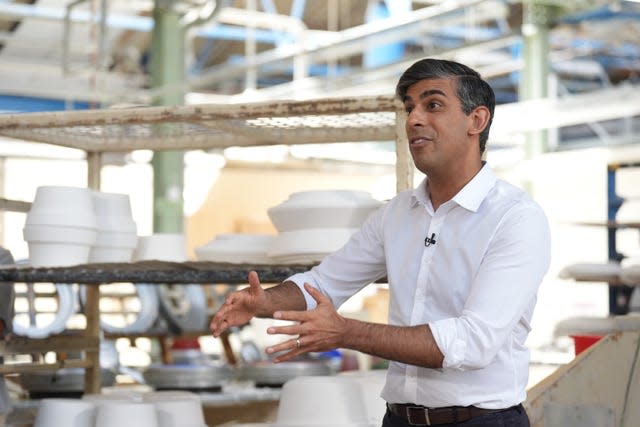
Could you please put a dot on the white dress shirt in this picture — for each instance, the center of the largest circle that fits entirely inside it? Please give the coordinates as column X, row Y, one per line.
column 475, row 286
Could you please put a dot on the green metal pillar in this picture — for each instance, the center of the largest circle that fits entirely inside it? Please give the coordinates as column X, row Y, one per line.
column 168, row 74
column 538, row 16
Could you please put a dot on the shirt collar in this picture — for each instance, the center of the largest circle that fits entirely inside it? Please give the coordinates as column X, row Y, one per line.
column 472, row 194
column 469, row 197
column 419, row 195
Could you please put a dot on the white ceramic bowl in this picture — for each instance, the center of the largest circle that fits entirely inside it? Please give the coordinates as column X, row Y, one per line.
column 45, row 254
column 162, row 247
column 371, row 384
column 62, row 206
column 119, row 414
column 113, row 212
column 104, row 254
column 593, row 272
column 115, row 239
column 64, row 413
column 237, row 249
column 165, row 395
column 309, row 245
column 323, row 209
column 78, row 219
column 59, row 234
column 51, row 245
column 335, row 401
column 113, row 246
column 101, row 399
column 63, row 198
column 179, row 412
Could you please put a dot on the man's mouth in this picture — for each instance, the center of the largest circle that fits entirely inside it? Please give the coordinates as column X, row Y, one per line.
column 418, row 140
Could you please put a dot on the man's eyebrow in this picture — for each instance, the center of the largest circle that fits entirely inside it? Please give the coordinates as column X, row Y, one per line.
column 425, row 94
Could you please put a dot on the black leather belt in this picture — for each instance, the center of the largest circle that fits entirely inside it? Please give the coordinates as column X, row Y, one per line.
column 422, row 416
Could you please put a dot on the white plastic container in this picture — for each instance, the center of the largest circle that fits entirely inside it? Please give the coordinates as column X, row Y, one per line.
column 371, row 384
column 57, row 205
column 162, row 247
column 113, row 246
column 308, row 245
column 179, row 412
column 117, row 233
column 60, row 227
column 113, row 212
column 65, row 413
column 237, row 249
column 52, row 254
column 59, row 234
column 336, row 401
column 52, row 245
column 323, row 209
column 120, row 414
column 105, row 399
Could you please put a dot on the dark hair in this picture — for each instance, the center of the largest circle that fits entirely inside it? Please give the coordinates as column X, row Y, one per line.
column 472, row 91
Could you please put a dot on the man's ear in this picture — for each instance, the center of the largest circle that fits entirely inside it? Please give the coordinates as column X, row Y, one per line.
column 479, row 120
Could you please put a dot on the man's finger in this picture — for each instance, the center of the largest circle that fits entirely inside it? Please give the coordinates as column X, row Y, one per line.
column 296, row 316
column 317, row 295
column 285, row 330
column 254, row 280
column 288, row 346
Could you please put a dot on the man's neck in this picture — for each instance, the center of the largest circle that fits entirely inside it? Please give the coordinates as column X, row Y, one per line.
column 443, row 187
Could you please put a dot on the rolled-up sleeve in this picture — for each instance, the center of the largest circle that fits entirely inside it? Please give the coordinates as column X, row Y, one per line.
column 503, row 290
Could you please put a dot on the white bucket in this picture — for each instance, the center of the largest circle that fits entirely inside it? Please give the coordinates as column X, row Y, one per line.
column 65, row 413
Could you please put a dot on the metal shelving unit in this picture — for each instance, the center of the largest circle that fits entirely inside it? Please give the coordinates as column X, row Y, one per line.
column 363, row 119
column 619, row 295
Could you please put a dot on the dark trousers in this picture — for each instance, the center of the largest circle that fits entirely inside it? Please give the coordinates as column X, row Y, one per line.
column 515, row 416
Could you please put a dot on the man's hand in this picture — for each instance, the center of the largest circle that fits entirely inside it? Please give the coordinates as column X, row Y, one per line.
column 240, row 306
column 316, row 330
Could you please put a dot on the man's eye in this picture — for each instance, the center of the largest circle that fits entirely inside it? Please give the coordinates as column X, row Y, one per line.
column 433, row 105
column 408, row 109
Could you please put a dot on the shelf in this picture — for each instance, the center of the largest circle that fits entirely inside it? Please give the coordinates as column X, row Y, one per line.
column 159, row 272
column 23, row 345
column 211, row 126
column 14, row 205
column 69, row 343
column 351, row 119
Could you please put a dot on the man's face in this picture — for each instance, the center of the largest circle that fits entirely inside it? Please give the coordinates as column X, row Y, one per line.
column 437, row 128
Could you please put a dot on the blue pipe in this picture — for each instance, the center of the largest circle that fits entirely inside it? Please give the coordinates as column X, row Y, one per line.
column 10, row 104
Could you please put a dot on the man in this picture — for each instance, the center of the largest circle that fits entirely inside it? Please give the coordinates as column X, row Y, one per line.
column 6, row 326
column 464, row 254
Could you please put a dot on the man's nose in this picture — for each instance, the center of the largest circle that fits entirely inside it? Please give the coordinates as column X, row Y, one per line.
column 415, row 118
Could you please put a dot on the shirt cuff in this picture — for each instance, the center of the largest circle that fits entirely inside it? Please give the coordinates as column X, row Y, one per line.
column 453, row 347
column 300, row 279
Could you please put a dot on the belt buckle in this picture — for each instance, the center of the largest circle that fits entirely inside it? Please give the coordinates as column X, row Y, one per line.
column 427, row 421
